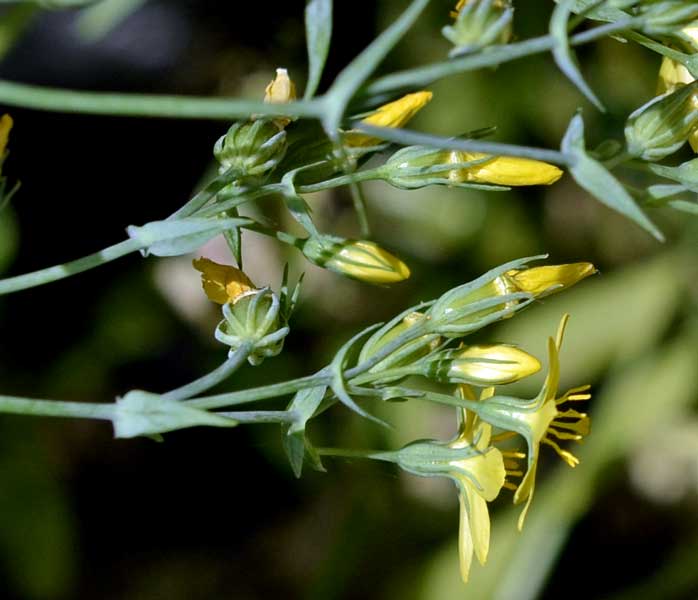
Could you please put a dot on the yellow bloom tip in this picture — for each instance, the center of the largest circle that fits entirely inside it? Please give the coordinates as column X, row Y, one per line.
column 6, row 124
column 547, row 279
column 494, row 364
column 281, row 89
column 369, row 262
column 222, row 283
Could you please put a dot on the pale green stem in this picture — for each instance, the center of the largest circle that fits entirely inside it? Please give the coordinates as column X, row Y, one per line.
column 489, row 57
column 359, row 176
column 234, row 362
column 55, row 408
column 261, row 416
column 261, row 393
column 146, row 105
column 359, row 201
column 353, row 453
column 28, row 280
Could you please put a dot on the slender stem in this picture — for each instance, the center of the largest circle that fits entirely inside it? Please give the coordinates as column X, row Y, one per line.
column 201, row 198
column 36, row 278
column 234, row 362
column 354, row 453
column 387, row 374
column 261, row 393
column 407, row 137
column 359, row 176
column 261, row 416
column 55, row 408
column 489, row 57
column 148, row 105
column 359, row 201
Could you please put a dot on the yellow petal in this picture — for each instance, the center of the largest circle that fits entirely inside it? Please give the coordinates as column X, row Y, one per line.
column 503, row 170
column 479, row 526
column 393, row 114
column 5, row 127
column 545, row 280
column 281, row 89
column 525, row 492
column 493, row 364
column 222, row 283
column 465, row 538
column 672, row 74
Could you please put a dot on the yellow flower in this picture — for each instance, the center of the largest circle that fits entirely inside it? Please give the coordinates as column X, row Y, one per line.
column 502, row 170
column 223, row 284
column 539, row 421
column 5, row 127
column 393, row 114
column 491, row 364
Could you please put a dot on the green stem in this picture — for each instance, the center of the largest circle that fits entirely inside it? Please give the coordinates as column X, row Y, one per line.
column 234, row 362
column 36, row 278
column 489, row 57
column 261, row 416
column 351, row 453
column 357, row 177
column 357, row 197
column 261, row 393
column 55, row 408
column 148, row 105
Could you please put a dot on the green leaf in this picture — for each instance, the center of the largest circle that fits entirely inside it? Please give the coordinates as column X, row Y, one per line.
column 181, row 236
column 356, row 73
column 563, row 54
column 595, row 179
column 304, row 405
column 143, row 413
column 97, row 21
column 318, row 33
column 598, row 10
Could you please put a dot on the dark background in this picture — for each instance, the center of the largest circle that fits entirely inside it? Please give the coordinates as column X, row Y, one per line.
column 217, row 514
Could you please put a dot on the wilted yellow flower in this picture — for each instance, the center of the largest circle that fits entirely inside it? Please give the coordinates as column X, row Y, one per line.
column 673, row 74
column 223, row 284
column 5, row 127
column 502, row 170
column 393, row 114
column 358, row 259
column 491, row 364
column 539, row 421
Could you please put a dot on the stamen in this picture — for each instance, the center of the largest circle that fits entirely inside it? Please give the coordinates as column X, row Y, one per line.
column 568, row 457
column 513, row 454
column 581, row 426
column 501, row 437
column 574, row 395
column 510, row 486
column 563, row 435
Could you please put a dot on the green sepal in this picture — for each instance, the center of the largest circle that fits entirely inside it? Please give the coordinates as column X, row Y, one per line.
column 144, row 413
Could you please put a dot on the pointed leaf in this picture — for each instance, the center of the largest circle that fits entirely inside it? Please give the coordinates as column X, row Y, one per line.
column 563, row 54
column 595, row 179
column 318, row 33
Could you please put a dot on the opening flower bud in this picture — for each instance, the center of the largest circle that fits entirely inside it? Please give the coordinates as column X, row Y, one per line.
column 358, row 259
column 663, row 125
column 222, row 283
column 479, row 23
column 253, row 148
column 280, row 90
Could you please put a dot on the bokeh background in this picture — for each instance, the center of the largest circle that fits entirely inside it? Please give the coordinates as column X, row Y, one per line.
column 211, row 514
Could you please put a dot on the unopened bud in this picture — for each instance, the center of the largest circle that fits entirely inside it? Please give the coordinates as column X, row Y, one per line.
column 358, row 259
column 479, row 23
column 663, row 125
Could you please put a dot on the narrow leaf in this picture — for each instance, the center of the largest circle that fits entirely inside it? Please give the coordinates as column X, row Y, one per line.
column 563, row 54
column 595, row 179
column 318, row 32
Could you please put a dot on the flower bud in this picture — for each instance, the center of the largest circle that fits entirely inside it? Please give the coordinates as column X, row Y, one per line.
column 358, row 259
column 484, row 365
column 479, row 23
column 662, row 126
column 392, row 114
column 280, row 90
column 409, row 352
column 253, row 318
column 499, row 292
column 417, row 166
column 252, row 148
